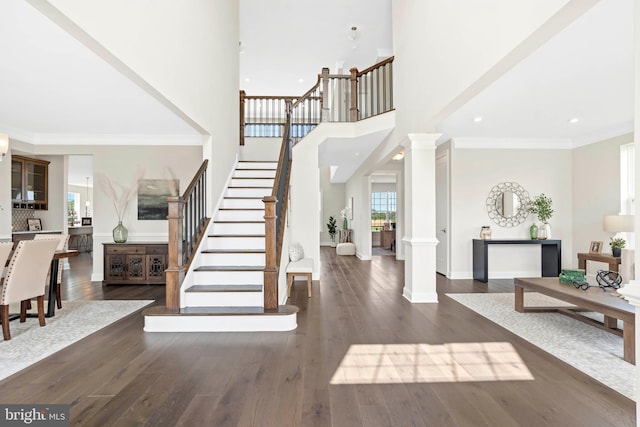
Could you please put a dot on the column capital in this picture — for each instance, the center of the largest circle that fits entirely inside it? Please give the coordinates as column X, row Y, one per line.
column 417, row 141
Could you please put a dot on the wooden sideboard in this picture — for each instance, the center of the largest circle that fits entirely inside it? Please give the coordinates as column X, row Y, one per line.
column 139, row 263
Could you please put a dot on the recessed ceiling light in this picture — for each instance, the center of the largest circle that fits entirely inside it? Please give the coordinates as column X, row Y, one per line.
column 398, row 156
column 477, row 119
column 300, row 80
column 247, row 79
column 574, row 120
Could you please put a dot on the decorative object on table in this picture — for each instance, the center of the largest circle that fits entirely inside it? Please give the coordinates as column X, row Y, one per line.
column 616, row 246
column 120, row 233
column 34, row 224
column 541, row 206
column 595, row 247
column 485, row 232
column 506, row 204
column 152, row 197
column 608, row 279
column 345, row 214
column 87, row 221
column 120, row 199
column 533, row 231
column 569, row 276
column 332, row 230
column 618, row 224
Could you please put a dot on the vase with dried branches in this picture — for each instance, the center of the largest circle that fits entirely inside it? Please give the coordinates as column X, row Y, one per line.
column 120, row 195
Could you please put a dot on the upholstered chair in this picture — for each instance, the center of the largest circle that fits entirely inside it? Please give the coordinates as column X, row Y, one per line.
column 63, row 244
column 5, row 251
column 25, row 279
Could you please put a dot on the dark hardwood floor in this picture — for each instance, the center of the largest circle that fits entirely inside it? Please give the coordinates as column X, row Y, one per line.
column 121, row 375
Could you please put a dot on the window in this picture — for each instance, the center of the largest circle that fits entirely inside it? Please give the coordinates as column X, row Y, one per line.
column 73, row 208
column 383, row 210
column 627, row 177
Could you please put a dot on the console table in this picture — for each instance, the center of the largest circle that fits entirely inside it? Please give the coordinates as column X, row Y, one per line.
column 551, row 256
column 613, row 261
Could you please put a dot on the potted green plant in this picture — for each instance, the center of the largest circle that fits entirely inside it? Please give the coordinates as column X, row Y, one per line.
column 331, row 227
column 617, row 244
column 541, row 206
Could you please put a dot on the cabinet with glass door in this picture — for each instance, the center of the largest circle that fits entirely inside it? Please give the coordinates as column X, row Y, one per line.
column 29, row 183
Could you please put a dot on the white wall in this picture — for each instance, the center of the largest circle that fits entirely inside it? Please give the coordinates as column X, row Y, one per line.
column 184, row 54
column 596, row 192
column 333, row 201
column 5, row 198
column 474, row 172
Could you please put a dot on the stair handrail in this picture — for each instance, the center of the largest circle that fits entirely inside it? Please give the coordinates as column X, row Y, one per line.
column 276, row 204
column 187, row 222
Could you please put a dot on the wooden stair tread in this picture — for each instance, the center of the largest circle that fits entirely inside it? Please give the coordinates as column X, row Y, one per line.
column 225, row 288
column 236, row 235
column 230, row 268
column 238, row 221
column 244, row 197
column 233, row 251
column 283, row 310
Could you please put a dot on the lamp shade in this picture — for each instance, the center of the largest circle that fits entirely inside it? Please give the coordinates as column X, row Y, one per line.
column 618, row 223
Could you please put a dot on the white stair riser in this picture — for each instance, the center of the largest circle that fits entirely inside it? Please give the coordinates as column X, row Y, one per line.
column 223, row 299
column 257, row 165
column 243, row 203
column 240, row 215
column 228, row 277
column 253, row 182
column 232, row 259
column 235, row 243
column 254, row 174
column 220, row 323
column 238, row 228
column 248, row 192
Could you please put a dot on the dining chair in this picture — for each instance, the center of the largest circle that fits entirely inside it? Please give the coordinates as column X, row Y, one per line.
column 63, row 244
column 25, row 279
column 5, row 251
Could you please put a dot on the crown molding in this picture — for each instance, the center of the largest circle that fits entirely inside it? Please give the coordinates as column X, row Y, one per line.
column 79, row 139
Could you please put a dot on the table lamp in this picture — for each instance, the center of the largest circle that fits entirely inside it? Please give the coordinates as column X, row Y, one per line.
column 618, row 224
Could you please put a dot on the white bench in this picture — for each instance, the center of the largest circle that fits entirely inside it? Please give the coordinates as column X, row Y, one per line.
column 304, row 267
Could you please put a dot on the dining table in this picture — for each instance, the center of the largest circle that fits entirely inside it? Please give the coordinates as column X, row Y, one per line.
column 53, row 278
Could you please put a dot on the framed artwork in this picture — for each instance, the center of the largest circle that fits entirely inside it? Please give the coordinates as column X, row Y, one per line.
column 35, row 224
column 595, row 247
column 86, row 220
column 152, row 197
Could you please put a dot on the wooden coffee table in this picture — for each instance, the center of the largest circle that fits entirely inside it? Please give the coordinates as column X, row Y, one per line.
column 593, row 299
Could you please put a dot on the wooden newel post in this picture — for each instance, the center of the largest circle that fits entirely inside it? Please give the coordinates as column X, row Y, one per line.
column 324, row 98
column 353, row 110
column 271, row 268
column 175, row 270
column 242, row 96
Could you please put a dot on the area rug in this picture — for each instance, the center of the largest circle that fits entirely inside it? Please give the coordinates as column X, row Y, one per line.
column 593, row 351
column 30, row 343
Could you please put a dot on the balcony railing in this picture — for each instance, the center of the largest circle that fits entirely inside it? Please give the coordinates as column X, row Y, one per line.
column 331, row 99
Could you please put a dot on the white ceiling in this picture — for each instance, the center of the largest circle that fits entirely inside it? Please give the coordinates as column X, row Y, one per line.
column 585, row 72
column 53, row 87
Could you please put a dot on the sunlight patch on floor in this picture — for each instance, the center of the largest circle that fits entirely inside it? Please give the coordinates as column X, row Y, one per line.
column 425, row 363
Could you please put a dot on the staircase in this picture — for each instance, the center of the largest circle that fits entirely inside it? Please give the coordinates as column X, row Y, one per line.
column 224, row 292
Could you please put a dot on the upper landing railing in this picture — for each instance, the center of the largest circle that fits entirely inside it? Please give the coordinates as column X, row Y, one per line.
column 331, row 99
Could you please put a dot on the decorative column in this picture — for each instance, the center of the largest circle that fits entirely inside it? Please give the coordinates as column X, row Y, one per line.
column 420, row 218
column 631, row 291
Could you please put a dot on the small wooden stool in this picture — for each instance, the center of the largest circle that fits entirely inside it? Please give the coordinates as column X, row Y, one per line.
column 304, row 267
